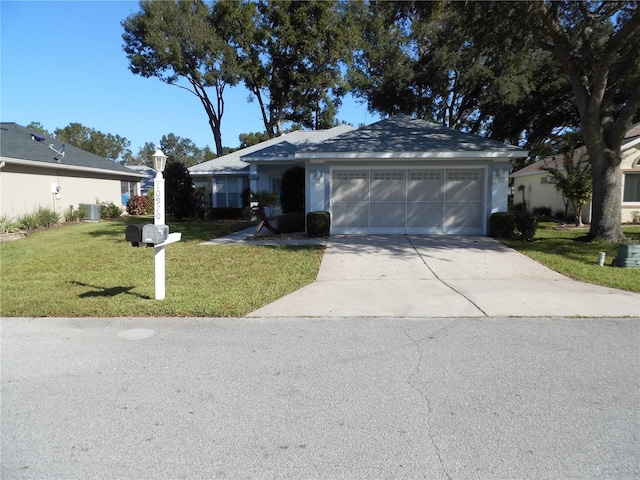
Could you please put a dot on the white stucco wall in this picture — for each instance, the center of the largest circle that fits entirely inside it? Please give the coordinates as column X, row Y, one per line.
column 24, row 189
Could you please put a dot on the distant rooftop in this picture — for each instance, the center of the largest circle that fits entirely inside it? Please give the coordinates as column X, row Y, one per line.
column 232, row 163
column 20, row 144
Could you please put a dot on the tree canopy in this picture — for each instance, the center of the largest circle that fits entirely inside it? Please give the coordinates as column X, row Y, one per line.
column 176, row 148
column 176, row 40
column 103, row 144
column 291, row 55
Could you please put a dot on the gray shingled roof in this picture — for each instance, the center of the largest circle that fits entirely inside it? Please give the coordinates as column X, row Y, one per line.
column 232, row 163
column 399, row 136
column 18, row 143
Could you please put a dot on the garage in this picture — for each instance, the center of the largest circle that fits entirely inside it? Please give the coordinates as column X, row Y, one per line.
column 408, row 200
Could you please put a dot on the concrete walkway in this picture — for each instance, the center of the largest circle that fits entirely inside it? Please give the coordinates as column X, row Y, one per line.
column 442, row 276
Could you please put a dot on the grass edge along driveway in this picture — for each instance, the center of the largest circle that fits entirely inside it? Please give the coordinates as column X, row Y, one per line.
column 566, row 251
column 89, row 270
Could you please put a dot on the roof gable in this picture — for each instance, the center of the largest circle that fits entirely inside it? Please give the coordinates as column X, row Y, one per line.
column 18, row 143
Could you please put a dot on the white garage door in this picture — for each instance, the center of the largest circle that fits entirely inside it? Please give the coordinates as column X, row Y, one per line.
column 408, row 201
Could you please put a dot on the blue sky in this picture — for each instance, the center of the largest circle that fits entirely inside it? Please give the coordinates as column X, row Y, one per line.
column 63, row 62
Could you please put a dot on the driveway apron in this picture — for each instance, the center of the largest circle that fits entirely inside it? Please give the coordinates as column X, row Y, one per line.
column 442, row 276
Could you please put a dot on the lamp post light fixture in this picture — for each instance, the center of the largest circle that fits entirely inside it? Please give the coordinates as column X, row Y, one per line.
column 159, row 162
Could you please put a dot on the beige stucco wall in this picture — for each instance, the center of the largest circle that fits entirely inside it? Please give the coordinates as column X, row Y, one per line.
column 24, row 189
column 630, row 164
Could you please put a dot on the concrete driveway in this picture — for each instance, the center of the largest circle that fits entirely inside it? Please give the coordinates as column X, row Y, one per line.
column 442, row 276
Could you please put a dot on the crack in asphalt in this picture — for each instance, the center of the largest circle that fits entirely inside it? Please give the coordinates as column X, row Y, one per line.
column 442, row 281
column 426, row 398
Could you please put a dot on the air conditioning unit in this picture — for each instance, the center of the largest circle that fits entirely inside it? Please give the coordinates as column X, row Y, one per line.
column 93, row 212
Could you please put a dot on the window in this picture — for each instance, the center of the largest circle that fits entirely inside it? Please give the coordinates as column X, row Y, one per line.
column 127, row 190
column 227, row 192
column 631, row 188
column 275, row 186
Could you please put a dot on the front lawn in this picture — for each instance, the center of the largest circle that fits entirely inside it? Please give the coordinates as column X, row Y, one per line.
column 566, row 251
column 90, row 270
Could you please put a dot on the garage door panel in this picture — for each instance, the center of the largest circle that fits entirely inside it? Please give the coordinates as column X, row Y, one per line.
column 425, row 185
column 463, row 214
column 464, row 185
column 388, row 185
column 350, row 185
column 388, row 214
column 350, row 214
column 425, row 214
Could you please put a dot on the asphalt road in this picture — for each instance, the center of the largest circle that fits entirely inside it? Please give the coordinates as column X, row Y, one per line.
column 486, row 398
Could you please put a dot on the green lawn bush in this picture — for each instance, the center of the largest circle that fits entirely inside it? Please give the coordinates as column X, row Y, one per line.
column 513, row 225
column 72, row 215
column 318, row 224
column 291, row 222
column 223, row 213
column 109, row 210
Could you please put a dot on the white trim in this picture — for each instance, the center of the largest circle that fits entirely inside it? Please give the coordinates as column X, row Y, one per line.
column 75, row 168
column 629, row 145
column 409, row 155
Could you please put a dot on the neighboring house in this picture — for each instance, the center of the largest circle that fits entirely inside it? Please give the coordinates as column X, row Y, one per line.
column 540, row 191
column 224, row 178
column 146, row 182
column 399, row 175
column 38, row 171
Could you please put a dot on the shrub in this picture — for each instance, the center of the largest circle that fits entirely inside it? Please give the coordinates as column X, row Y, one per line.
column 72, row 215
column 223, row 213
column 292, row 190
column 318, row 224
column 109, row 210
column 7, row 225
column 519, row 207
column 502, row 225
column 542, row 211
column 635, row 216
column 46, row 217
column 139, row 205
column 513, row 225
column 559, row 214
column 180, row 194
column 526, row 226
column 291, row 222
column 28, row 221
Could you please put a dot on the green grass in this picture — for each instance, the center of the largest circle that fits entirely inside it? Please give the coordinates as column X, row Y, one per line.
column 567, row 251
column 90, row 270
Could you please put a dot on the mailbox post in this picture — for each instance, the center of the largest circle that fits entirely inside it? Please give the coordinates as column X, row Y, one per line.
column 159, row 162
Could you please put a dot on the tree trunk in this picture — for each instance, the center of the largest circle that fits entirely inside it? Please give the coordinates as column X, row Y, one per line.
column 607, row 194
column 577, row 213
